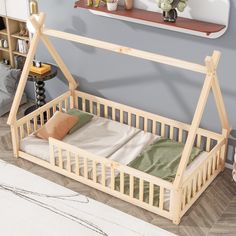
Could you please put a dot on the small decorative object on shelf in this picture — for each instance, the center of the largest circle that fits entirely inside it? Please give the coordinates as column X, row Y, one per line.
column 33, row 7
column 5, row 61
column 23, row 30
column 112, row 5
column 95, row 3
column 3, row 43
column 169, row 8
column 128, row 4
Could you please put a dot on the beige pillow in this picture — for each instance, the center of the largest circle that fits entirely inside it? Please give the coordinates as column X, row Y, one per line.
column 58, row 126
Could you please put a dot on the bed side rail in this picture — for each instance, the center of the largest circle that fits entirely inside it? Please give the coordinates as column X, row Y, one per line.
column 33, row 121
column 203, row 175
column 168, row 128
column 111, row 177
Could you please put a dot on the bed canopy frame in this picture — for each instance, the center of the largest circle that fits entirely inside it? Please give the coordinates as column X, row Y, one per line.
column 184, row 192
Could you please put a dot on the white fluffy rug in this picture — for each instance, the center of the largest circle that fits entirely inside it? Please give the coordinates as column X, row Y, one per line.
column 33, row 206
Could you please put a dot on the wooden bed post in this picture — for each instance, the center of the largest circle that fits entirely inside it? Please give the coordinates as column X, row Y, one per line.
column 26, row 69
column 220, row 104
column 24, row 76
column 190, row 141
column 211, row 81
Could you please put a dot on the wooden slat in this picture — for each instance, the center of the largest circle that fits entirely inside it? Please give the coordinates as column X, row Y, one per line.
column 48, row 114
column 184, row 197
column 199, row 182
column 68, row 158
column 94, row 171
column 28, row 127
column 112, row 178
column 42, row 119
column 194, row 186
column 209, row 168
column 106, row 111
column 121, row 116
column 77, row 165
column 145, row 124
column 98, row 109
column 22, row 133
column 171, row 132
column 208, row 144
column 151, row 193
column 162, row 130
column 66, row 105
column 122, row 184
column 141, row 189
column 180, row 138
column 199, row 138
column 113, row 114
column 60, row 106
column 103, row 174
column 138, row 121
column 85, row 167
column 35, row 123
column 204, row 173
column 161, row 198
column 154, row 127
column 189, row 192
column 129, row 119
column 131, row 186
column 60, row 158
column 91, row 107
column 76, row 102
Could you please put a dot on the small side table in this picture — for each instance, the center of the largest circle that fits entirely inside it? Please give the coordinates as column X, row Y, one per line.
column 39, row 81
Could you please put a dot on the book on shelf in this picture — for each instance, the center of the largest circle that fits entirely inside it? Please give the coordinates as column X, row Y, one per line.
column 22, row 46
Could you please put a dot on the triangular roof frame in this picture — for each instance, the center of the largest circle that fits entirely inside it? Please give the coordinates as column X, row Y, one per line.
column 211, row 80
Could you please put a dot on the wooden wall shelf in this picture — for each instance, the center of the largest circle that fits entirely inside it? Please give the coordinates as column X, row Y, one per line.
column 12, row 37
column 184, row 25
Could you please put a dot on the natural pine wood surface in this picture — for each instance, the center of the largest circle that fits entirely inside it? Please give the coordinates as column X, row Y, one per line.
column 214, row 213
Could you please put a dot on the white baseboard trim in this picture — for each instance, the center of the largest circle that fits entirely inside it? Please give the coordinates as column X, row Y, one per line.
column 229, row 166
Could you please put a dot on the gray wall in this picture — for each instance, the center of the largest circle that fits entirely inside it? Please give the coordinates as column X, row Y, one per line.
column 153, row 87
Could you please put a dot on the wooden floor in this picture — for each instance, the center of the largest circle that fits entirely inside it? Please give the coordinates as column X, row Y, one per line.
column 213, row 214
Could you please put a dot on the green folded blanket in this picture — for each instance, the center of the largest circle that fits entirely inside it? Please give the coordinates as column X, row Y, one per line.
column 160, row 159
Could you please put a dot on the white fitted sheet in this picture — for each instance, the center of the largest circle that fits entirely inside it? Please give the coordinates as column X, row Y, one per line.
column 100, row 136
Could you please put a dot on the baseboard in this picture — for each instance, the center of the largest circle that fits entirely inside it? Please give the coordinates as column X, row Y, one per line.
column 229, row 166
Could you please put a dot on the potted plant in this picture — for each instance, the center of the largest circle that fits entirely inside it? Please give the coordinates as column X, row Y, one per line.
column 169, row 8
column 112, row 5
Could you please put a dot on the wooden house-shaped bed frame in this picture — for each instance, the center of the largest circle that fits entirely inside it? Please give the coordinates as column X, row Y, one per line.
column 183, row 192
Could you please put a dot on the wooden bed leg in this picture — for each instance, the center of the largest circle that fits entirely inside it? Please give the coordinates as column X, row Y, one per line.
column 176, row 206
column 223, row 152
column 15, row 142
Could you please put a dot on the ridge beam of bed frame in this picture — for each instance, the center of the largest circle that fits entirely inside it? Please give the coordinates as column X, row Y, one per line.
column 125, row 50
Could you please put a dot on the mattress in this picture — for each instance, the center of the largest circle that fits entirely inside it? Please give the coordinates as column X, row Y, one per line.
column 100, row 136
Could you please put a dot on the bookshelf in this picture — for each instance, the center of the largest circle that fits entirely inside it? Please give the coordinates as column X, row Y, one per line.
column 11, row 34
